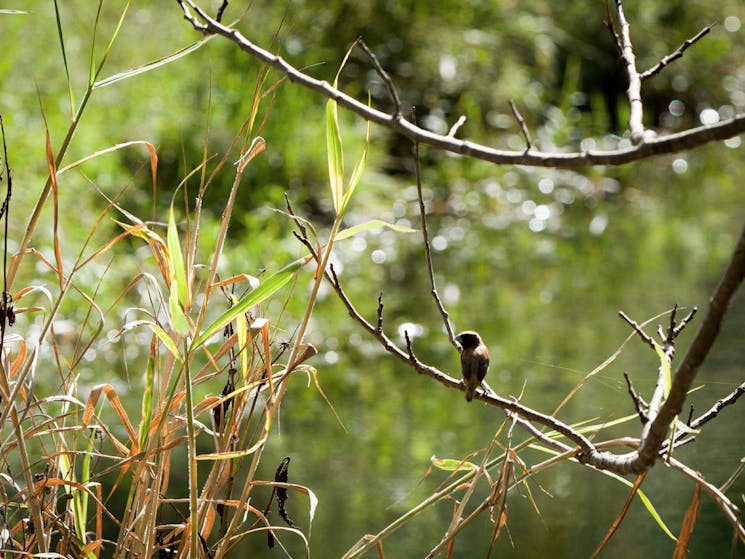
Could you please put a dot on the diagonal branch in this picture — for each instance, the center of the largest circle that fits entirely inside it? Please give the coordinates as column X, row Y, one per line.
column 669, row 143
column 677, row 53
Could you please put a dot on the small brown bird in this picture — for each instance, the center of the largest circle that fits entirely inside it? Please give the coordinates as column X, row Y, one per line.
column 474, row 361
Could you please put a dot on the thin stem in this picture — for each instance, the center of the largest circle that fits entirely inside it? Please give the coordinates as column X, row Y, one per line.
column 192, row 458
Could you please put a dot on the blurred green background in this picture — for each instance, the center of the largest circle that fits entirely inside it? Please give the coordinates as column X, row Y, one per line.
column 539, row 261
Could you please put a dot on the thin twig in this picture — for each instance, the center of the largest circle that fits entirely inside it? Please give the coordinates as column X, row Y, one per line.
column 455, row 127
column 611, row 28
column 720, row 404
column 638, row 329
column 639, row 404
column 427, row 248
column 383, row 76
column 677, row 53
column 221, row 10
column 523, row 126
column 379, row 327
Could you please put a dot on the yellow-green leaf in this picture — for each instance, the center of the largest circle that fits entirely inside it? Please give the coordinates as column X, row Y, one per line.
column 335, row 157
column 165, row 338
column 351, row 231
column 261, row 293
column 176, row 259
column 667, row 377
column 450, row 465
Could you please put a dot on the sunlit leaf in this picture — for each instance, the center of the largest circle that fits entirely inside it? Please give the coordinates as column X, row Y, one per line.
column 176, row 259
column 372, row 224
column 268, row 288
column 147, row 402
column 450, row 465
column 165, row 338
column 152, row 65
column 335, row 157
column 667, row 379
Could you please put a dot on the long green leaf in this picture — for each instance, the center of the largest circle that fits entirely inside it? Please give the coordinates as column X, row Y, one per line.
column 335, row 157
column 147, row 403
column 165, row 338
column 61, row 35
column 176, row 258
column 667, row 377
column 372, row 224
column 261, row 293
column 177, row 297
column 152, row 65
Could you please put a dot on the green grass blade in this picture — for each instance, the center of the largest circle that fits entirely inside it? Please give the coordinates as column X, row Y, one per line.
column 147, row 403
column 166, row 339
column 114, row 35
column 177, row 297
column 176, row 258
column 152, row 65
column 61, row 35
column 667, row 377
column 92, row 61
column 261, row 293
column 646, row 502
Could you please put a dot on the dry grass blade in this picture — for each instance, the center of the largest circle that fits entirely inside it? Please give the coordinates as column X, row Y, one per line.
column 617, row 522
column 689, row 523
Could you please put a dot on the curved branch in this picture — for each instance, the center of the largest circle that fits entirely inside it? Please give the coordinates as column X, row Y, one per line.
column 665, row 144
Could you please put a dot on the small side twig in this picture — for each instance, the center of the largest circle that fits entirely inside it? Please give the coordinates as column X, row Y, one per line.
column 455, row 127
column 720, row 404
column 427, row 248
column 221, row 10
column 523, row 126
column 379, row 327
column 677, row 53
column 639, row 404
column 638, row 329
column 409, row 349
column 611, row 28
column 383, row 76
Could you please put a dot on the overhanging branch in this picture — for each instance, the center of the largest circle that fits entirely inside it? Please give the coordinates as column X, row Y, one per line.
column 661, row 145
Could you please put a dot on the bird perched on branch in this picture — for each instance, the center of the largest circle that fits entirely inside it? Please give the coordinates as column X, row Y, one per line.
column 474, row 361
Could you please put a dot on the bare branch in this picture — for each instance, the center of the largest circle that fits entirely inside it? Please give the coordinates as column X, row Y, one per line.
column 677, row 53
column 669, row 143
column 634, row 94
column 697, row 352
